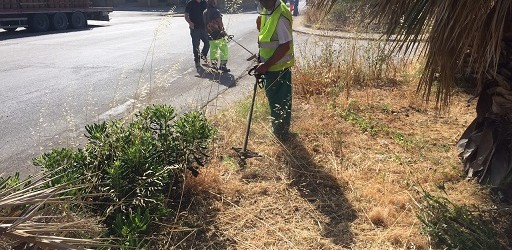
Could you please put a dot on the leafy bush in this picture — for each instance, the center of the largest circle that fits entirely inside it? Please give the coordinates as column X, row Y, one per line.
column 132, row 228
column 66, row 166
column 134, row 165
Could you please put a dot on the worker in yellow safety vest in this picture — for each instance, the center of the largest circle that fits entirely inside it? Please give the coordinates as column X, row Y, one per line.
column 275, row 42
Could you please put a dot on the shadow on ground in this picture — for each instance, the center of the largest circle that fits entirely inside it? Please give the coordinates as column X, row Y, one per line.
column 322, row 190
column 226, row 79
column 23, row 32
column 194, row 225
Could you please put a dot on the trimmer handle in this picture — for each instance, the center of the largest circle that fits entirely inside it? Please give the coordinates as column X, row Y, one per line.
column 252, row 72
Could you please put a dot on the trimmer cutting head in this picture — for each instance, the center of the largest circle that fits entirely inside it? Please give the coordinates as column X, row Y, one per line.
column 244, row 155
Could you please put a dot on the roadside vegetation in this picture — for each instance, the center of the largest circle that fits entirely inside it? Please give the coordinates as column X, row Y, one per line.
column 125, row 183
column 370, row 165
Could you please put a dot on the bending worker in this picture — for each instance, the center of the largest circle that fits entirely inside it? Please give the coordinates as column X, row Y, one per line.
column 275, row 43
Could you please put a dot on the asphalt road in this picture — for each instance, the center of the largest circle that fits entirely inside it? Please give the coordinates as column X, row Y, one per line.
column 53, row 84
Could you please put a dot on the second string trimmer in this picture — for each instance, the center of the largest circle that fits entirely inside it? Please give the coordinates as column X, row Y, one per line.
column 253, row 56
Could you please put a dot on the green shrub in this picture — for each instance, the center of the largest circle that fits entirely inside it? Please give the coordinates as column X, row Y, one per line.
column 132, row 228
column 66, row 166
column 134, row 165
column 9, row 181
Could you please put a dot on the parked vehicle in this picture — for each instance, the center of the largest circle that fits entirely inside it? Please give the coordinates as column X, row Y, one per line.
column 43, row 15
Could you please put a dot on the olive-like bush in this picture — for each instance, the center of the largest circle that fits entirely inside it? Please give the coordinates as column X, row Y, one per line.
column 135, row 166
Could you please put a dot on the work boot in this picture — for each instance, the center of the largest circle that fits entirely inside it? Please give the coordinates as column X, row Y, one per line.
column 224, row 68
column 204, row 58
column 214, row 65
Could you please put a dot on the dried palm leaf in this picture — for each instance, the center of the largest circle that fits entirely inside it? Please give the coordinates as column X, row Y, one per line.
column 27, row 202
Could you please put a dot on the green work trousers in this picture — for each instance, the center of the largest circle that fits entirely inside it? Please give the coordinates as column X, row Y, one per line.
column 278, row 88
column 216, row 46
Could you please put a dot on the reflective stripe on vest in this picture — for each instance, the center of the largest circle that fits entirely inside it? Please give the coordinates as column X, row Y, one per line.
column 267, row 45
column 283, row 60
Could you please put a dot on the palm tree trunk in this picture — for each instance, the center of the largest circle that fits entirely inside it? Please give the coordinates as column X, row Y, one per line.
column 486, row 146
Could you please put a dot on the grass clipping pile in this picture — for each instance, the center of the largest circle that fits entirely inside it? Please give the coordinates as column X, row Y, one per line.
column 363, row 146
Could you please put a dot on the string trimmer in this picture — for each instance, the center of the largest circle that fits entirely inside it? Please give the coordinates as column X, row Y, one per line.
column 244, row 153
column 253, row 56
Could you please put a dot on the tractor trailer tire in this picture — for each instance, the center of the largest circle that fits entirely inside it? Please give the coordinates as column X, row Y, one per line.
column 59, row 21
column 38, row 22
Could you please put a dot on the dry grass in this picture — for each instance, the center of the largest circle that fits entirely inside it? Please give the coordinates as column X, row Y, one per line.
column 345, row 15
column 349, row 176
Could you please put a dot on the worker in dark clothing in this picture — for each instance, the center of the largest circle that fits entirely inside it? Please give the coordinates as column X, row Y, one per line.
column 194, row 16
column 296, row 8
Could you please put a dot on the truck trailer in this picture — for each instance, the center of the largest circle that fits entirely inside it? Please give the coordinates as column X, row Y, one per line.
column 43, row 15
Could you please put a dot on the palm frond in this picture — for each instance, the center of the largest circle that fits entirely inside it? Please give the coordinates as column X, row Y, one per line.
column 27, row 208
column 54, row 242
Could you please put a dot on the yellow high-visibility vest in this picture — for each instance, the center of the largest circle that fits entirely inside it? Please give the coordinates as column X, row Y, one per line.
column 267, row 46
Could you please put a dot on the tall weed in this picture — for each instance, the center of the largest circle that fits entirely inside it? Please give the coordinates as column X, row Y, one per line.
column 345, row 15
column 332, row 66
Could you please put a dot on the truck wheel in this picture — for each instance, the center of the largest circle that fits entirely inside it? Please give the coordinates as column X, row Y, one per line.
column 59, row 21
column 78, row 20
column 38, row 23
